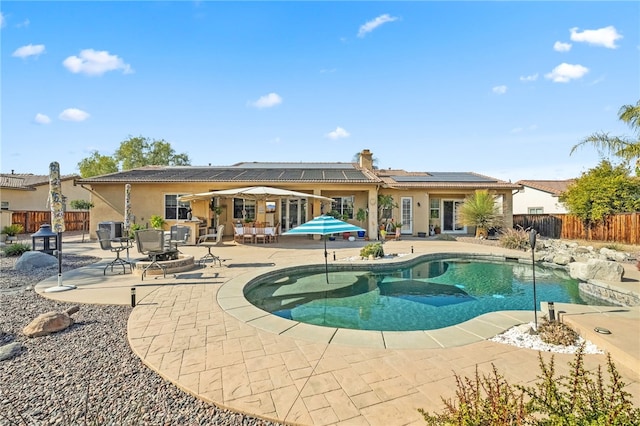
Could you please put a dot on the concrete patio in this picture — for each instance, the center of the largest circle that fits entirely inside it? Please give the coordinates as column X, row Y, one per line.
column 197, row 330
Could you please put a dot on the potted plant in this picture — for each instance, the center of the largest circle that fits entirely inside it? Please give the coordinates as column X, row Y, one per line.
column 361, row 216
column 157, row 222
column 12, row 231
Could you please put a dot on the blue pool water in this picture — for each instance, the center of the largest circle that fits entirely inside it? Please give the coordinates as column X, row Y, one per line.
column 426, row 296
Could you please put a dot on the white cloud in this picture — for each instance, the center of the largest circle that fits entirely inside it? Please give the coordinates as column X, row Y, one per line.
column 375, row 23
column 267, row 101
column 338, row 133
column 42, row 119
column 533, row 77
column 93, row 62
column 500, row 90
column 564, row 73
column 2, row 20
column 73, row 114
column 559, row 46
column 605, row 37
column 28, row 50
column 23, row 24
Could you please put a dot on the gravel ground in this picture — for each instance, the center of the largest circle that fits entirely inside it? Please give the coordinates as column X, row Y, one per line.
column 87, row 373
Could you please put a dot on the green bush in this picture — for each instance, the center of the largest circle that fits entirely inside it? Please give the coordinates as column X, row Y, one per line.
column 576, row 399
column 13, row 229
column 373, row 249
column 517, row 239
column 16, row 249
column 132, row 230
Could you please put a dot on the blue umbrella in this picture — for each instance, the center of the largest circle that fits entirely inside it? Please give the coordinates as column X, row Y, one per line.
column 324, row 225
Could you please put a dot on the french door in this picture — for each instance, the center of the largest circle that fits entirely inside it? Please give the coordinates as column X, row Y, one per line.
column 293, row 212
column 406, row 215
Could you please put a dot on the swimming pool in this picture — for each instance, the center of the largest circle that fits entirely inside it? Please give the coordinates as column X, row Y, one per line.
column 426, row 295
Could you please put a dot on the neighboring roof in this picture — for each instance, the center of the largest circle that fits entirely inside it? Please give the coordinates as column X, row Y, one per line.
column 274, row 173
column 27, row 181
column 554, row 187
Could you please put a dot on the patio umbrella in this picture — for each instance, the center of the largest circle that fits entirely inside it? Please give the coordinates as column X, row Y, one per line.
column 324, row 225
column 57, row 219
column 252, row 193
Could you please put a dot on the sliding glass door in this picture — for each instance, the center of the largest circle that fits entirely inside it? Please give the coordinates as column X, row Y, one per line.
column 450, row 216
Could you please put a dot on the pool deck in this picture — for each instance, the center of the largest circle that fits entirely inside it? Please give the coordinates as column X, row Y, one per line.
column 196, row 329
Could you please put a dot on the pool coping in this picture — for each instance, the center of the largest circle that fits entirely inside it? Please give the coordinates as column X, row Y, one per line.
column 231, row 299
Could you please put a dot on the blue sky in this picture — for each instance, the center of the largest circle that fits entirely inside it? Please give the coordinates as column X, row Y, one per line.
column 499, row 88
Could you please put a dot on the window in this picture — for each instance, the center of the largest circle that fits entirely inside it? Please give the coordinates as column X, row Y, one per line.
column 244, row 209
column 4, row 205
column 434, row 209
column 536, row 210
column 174, row 209
column 344, row 206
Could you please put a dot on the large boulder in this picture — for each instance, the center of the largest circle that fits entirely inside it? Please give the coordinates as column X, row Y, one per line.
column 50, row 322
column 34, row 260
column 597, row 269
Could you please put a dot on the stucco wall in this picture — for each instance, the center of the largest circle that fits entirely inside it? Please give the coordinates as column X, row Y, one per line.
column 531, row 197
column 37, row 200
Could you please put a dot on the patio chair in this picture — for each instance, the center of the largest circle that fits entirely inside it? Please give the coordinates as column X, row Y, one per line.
column 202, row 241
column 106, row 243
column 150, row 242
column 179, row 236
column 238, row 233
column 261, row 234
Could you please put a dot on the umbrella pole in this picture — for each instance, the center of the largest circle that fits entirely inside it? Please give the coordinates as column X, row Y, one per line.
column 326, row 267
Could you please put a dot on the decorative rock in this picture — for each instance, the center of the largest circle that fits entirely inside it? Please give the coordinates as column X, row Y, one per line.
column 562, row 259
column 10, row 350
column 618, row 256
column 33, row 260
column 50, row 322
column 596, row 269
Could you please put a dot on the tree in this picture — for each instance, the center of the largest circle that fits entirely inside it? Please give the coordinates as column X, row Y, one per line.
column 97, row 164
column 602, row 191
column 132, row 153
column 356, row 159
column 140, row 151
column 619, row 146
column 82, row 205
column 481, row 210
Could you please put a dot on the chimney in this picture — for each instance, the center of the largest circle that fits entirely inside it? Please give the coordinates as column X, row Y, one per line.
column 366, row 159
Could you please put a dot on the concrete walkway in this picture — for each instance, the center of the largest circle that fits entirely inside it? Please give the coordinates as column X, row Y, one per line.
column 197, row 330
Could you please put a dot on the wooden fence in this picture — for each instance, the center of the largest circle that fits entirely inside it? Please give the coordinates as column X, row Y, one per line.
column 31, row 220
column 620, row 228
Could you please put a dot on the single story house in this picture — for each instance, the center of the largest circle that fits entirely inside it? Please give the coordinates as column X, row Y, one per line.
column 540, row 196
column 29, row 192
column 424, row 200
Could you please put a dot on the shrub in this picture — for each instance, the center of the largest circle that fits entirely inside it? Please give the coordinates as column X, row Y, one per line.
column 557, row 333
column 576, row 399
column 374, row 249
column 16, row 249
column 132, row 230
column 517, row 239
column 157, row 222
column 13, row 230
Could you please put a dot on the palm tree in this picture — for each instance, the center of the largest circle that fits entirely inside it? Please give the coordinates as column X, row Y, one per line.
column 481, row 210
column 621, row 147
